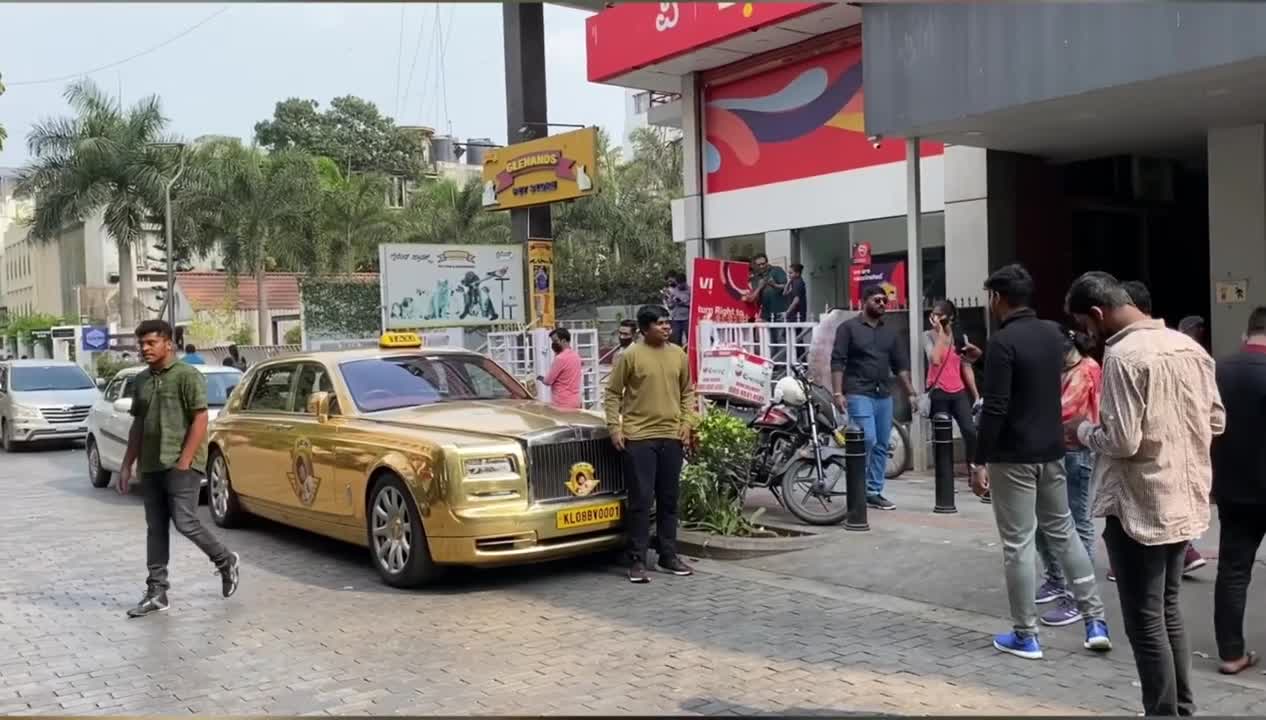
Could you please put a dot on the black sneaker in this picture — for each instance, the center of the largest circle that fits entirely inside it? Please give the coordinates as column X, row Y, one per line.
column 637, row 573
column 152, row 603
column 986, row 498
column 675, row 566
column 879, row 502
column 229, row 572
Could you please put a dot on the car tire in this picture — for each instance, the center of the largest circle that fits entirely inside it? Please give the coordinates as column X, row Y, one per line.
column 397, row 541
column 96, row 475
column 6, row 437
column 226, row 510
column 898, row 452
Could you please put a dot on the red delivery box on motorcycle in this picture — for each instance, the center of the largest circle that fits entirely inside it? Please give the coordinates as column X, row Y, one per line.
column 730, row 372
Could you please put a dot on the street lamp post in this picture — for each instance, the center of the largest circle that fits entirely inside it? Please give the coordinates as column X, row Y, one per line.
column 171, row 249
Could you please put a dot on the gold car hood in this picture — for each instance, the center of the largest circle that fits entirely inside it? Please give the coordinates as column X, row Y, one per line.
column 517, row 419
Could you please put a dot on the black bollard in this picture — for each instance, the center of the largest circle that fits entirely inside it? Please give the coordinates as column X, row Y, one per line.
column 855, row 477
column 943, row 456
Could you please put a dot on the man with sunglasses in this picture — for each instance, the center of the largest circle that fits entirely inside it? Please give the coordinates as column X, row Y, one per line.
column 867, row 352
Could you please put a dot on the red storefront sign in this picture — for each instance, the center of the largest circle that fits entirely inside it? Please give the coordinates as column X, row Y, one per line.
column 717, row 296
column 633, row 35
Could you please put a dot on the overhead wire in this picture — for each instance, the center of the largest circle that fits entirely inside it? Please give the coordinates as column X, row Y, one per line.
column 417, row 47
column 130, row 58
column 448, row 34
column 400, row 56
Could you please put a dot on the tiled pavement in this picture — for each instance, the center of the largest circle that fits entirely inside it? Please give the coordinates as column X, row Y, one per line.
column 312, row 631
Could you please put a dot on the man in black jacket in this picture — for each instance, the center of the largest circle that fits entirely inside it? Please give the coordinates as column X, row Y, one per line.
column 1021, row 441
column 1239, row 488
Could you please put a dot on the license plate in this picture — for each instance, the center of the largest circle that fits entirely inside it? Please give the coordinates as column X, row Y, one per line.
column 591, row 515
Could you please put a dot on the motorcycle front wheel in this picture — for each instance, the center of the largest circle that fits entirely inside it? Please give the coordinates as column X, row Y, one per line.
column 827, row 507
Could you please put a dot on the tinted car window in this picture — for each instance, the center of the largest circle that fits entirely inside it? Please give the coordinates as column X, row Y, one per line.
column 271, row 391
column 113, row 389
column 31, row 378
column 406, row 381
column 312, row 378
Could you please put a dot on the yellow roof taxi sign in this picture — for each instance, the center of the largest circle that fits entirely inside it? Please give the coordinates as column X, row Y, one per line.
column 397, row 340
column 542, row 171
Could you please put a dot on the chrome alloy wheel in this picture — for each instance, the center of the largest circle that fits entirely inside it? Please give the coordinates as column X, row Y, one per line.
column 392, row 530
column 218, row 484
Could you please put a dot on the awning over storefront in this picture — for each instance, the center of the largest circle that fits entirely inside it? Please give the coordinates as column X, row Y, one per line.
column 1063, row 80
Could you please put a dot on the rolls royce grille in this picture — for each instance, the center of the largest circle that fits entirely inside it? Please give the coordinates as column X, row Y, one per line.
column 550, row 467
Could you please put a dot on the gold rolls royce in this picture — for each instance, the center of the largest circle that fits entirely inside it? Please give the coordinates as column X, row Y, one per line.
column 427, row 456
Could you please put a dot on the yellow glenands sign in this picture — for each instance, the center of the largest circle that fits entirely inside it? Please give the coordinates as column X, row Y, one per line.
column 542, row 171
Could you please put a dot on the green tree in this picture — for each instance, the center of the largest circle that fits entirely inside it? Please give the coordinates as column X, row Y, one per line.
column 351, row 132
column 259, row 210
column 355, row 220
column 99, row 158
column 443, row 212
column 616, row 245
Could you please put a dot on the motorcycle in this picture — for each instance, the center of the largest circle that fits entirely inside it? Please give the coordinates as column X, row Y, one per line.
column 799, row 453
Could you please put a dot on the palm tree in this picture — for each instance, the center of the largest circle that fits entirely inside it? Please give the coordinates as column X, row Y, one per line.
column 256, row 209
column 355, row 219
column 101, row 158
column 443, row 212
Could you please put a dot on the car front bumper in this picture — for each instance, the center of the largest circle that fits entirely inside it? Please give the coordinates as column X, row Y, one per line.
column 532, row 535
column 23, row 430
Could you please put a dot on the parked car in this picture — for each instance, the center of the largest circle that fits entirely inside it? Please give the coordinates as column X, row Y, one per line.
column 44, row 400
column 110, row 419
column 426, row 456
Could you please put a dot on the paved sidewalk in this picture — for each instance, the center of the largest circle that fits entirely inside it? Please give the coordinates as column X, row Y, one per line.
column 312, row 631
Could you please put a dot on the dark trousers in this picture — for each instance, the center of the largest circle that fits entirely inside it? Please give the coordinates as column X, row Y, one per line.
column 171, row 498
column 1149, row 578
column 678, row 336
column 653, row 469
column 1243, row 527
column 958, row 406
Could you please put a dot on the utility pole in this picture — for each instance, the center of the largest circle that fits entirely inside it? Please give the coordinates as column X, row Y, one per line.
column 171, row 250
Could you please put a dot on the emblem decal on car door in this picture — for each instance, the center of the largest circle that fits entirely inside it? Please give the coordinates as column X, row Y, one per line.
column 302, row 476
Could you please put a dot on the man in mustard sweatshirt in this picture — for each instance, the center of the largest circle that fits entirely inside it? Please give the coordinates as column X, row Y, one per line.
column 650, row 410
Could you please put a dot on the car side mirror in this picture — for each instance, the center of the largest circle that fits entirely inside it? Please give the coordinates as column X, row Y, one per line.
column 101, row 383
column 319, row 405
column 123, row 405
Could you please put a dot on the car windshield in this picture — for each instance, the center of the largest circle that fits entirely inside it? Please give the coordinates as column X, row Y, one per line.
column 35, row 378
column 406, row 381
column 219, row 386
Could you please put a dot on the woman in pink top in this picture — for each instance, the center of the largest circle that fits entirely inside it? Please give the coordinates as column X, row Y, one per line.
column 1082, row 385
column 951, row 383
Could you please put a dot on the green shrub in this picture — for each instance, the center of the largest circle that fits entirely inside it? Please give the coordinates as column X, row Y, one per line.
column 107, row 367
column 711, row 496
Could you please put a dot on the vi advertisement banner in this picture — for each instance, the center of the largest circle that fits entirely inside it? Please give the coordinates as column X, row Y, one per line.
column 717, row 296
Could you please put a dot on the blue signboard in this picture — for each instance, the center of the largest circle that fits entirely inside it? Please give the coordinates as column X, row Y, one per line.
column 96, row 339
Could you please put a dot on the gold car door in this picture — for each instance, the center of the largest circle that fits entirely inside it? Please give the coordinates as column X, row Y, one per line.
column 259, row 462
column 313, row 465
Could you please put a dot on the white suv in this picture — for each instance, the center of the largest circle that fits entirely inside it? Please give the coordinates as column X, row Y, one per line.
column 110, row 420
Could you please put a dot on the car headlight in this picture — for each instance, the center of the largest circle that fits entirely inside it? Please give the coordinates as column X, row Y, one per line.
column 26, row 412
column 484, row 467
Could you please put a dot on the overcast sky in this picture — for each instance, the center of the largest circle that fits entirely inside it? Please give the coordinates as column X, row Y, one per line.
column 227, row 74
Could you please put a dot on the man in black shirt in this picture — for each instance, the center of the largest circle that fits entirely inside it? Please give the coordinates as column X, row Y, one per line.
column 1021, row 441
column 1239, row 488
column 867, row 352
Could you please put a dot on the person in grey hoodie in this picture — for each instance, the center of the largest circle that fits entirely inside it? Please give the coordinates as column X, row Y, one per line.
column 677, row 300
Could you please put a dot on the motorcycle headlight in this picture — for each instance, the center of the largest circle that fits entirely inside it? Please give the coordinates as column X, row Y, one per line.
column 485, row 467
column 26, row 412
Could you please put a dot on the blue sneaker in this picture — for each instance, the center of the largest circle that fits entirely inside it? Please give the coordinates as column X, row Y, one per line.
column 1024, row 646
column 1097, row 636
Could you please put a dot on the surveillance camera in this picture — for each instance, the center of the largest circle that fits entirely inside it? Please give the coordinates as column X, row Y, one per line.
column 876, row 141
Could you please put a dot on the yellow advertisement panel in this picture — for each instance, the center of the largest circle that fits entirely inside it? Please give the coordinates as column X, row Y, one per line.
column 541, row 171
column 541, row 275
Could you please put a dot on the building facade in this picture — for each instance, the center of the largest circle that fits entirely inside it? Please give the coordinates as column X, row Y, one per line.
column 1125, row 137
column 770, row 101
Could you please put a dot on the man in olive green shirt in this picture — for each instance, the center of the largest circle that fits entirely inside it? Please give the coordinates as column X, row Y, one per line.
column 649, row 406
column 168, row 437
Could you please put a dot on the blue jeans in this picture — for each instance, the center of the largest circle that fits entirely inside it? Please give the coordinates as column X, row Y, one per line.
column 1078, row 464
column 874, row 415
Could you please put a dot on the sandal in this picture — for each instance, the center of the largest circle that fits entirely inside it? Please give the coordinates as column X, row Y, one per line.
column 1235, row 667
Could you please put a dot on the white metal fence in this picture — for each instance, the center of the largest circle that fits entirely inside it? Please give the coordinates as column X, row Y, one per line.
column 527, row 356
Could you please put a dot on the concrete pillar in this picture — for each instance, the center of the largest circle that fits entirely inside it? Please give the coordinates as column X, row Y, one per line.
column 966, row 221
column 914, row 281
column 782, row 247
column 1237, row 227
column 688, row 220
column 523, row 26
